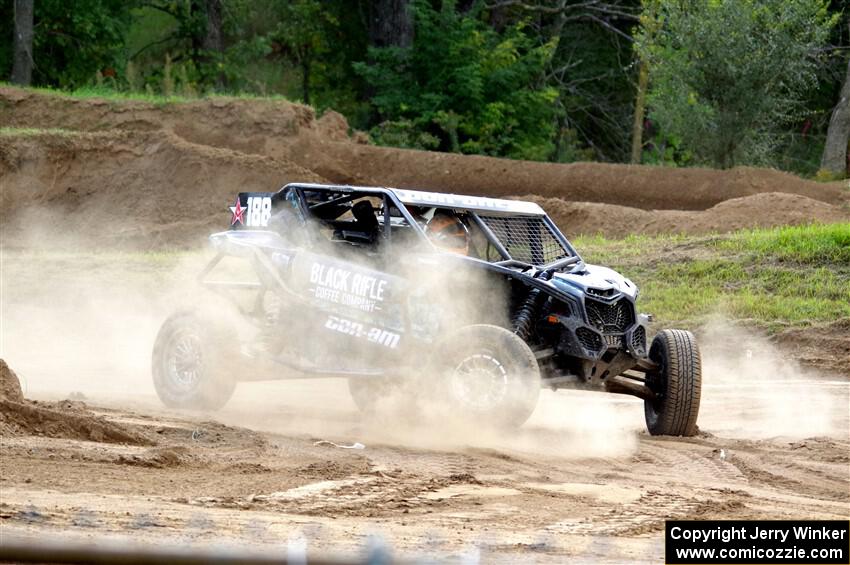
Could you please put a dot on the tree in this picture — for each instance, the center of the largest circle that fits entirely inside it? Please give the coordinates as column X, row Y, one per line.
column 303, row 49
column 589, row 69
column 304, row 32
column 650, row 23
column 464, row 87
column 196, row 39
column 212, row 42
column 23, row 57
column 726, row 75
column 834, row 161
column 390, row 23
column 73, row 44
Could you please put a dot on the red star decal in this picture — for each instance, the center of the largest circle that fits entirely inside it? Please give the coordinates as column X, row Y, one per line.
column 238, row 213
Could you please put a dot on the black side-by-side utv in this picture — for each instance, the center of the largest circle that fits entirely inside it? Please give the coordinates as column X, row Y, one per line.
column 484, row 299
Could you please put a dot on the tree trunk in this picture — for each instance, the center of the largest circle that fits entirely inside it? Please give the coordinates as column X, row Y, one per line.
column 640, row 111
column 499, row 19
column 212, row 40
column 23, row 60
column 305, row 77
column 390, row 23
column 651, row 24
column 834, row 159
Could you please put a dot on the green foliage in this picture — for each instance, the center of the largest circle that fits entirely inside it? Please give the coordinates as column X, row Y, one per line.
column 592, row 72
column 72, row 42
column 164, row 50
column 473, row 88
column 403, row 133
column 569, row 148
column 302, row 49
column 726, row 75
column 667, row 151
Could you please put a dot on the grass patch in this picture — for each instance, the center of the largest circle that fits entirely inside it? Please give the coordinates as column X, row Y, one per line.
column 801, row 244
column 33, row 132
column 774, row 278
column 112, row 95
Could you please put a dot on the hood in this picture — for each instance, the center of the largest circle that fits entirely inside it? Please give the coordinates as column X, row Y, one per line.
column 594, row 280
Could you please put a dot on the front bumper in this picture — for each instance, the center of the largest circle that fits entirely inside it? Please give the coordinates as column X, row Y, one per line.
column 590, row 338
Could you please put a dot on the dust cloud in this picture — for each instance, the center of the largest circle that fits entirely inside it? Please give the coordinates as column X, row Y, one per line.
column 78, row 318
column 752, row 390
column 565, row 424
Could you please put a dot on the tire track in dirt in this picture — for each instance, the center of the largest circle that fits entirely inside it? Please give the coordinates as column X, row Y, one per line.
column 793, row 477
column 704, row 466
column 643, row 516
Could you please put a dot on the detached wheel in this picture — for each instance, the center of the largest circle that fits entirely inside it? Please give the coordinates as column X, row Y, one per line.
column 677, row 384
column 489, row 374
column 193, row 362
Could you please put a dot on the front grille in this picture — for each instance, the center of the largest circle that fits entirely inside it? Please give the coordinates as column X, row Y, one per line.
column 639, row 340
column 589, row 339
column 610, row 318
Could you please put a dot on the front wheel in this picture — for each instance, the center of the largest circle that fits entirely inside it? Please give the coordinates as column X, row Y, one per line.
column 490, row 374
column 677, row 384
column 193, row 358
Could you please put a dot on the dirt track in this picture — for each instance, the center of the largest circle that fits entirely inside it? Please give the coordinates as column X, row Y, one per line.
column 581, row 480
column 558, row 489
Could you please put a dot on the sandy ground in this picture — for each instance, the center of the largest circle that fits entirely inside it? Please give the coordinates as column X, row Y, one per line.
column 581, row 480
column 545, row 492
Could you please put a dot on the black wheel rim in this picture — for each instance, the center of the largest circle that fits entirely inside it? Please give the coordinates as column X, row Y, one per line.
column 480, row 381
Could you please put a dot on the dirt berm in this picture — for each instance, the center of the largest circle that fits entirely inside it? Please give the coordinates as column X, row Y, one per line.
column 150, row 189
column 163, row 174
column 66, row 419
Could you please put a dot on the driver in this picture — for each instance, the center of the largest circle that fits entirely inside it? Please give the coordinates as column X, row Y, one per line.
column 447, row 231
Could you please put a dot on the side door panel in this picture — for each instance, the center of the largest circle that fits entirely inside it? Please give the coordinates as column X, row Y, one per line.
column 350, row 301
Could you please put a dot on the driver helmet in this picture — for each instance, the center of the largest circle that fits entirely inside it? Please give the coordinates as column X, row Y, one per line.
column 446, row 231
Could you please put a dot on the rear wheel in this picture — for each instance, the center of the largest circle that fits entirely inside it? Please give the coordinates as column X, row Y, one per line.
column 490, row 374
column 677, row 384
column 194, row 359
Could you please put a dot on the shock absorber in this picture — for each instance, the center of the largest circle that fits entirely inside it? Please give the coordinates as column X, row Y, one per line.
column 527, row 312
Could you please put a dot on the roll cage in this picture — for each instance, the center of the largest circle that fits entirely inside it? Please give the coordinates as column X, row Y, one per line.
column 521, row 233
